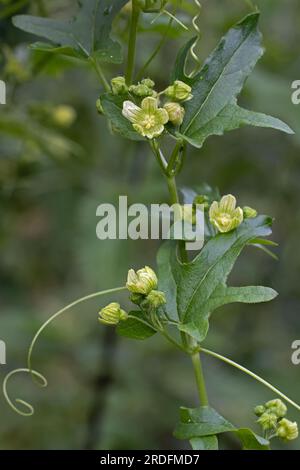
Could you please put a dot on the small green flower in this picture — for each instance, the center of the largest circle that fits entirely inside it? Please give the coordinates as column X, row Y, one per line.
column 287, row 430
column 141, row 282
column 118, row 86
column 112, row 314
column 148, row 82
column 259, row 410
column 277, row 407
column 154, row 299
column 224, row 215
column 149, row 119
column 249, row 213
column 175, row 112
column 267, row 421
column 179, row 91
column 141, row 90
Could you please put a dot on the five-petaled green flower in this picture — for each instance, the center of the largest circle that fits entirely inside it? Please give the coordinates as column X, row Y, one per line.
column 148, row 120
column 224, row 215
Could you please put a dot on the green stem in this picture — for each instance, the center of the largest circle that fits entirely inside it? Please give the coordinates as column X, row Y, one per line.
column 132, row 42
column 155, row 52
column 186, row 340
column 251, row 374
column 196, row 360
column 100, row 74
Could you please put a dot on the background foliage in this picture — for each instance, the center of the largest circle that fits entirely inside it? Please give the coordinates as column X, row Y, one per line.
column 53, row 176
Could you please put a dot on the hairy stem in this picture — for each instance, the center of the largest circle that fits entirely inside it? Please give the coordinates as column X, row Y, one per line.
column 132, row 42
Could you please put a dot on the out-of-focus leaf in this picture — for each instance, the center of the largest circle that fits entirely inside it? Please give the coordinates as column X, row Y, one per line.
column 87, row 35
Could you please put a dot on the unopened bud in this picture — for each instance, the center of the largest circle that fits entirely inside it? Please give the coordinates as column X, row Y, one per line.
column 141, row 282
column 277, row 407
column 287, row 430
column 259, row 410
column 179, row 91
column 118, row 86
column 154, row 299
column 112, row 314
column 249, row 213
column 175, row 112
column 267, row 421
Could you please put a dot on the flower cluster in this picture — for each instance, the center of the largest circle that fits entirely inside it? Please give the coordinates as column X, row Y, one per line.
column 142, row 285
column 144, row 109
column 271, row 417
column 225, row 216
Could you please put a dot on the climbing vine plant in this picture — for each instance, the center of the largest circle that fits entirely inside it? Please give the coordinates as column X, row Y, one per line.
column 177, row 299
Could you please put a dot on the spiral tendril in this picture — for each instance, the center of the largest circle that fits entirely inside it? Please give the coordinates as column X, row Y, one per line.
column 30, row 410
column 38, row 378
column 198, row 38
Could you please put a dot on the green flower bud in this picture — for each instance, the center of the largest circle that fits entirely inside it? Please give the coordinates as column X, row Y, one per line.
column 202, row 199
column 224, row 215
column 148, row 120
column 141, row 90
column 179, row 91
column 267, row 421
column 287, row 430
column 154, row 299
column 259, row 410
column 277, row 407
column 112, row 314
column 99, row 106
column 148, row 82
column 249, row 213
column 118, row 86
column 141, row 282
column 175, row 112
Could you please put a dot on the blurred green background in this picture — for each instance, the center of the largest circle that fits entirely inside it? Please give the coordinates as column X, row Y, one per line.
column 58, row 164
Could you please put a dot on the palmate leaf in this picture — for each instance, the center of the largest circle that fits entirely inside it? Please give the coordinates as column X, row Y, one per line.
column 213, row 109
column 201, row 284
column 87, row 35
column 202, row 425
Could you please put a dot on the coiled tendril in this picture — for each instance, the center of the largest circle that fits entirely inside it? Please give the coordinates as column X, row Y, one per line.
column 38, row 378
column 198, row 38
